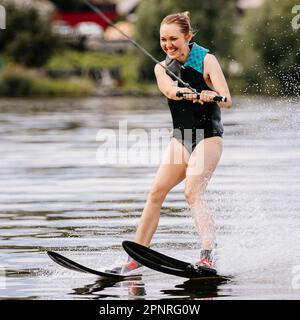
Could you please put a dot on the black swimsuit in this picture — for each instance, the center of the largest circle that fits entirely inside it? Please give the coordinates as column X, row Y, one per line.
column 193, row 122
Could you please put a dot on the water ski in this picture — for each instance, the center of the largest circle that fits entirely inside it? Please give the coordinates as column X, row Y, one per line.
column 163, row 263
column 75, row 266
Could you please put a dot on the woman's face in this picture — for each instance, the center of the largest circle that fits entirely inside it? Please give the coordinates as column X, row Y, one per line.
column 173, row 42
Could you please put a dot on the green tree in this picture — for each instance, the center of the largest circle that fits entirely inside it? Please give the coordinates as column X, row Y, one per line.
column 269, row 49
column 214, row 21
column 27, row 39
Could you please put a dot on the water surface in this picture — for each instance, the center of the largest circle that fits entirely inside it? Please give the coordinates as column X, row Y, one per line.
column 54, row 195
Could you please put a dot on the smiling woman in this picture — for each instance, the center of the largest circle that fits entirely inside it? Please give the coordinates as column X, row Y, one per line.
column 171, row 39
column 195, row 149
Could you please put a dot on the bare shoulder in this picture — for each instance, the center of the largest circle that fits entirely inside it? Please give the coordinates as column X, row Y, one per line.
column 210, row 59
column 211, row 63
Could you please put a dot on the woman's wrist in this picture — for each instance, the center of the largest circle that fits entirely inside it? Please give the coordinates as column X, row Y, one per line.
column 171, row 93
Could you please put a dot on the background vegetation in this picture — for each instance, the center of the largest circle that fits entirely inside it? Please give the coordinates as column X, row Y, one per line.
column 27, row 39
column 269, row 49
column 258, row 50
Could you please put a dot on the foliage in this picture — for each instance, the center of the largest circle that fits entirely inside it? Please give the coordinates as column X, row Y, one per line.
column 86, row 60
column 269, row 49
column 16, row 81
column 15, row 85
column 27, row 39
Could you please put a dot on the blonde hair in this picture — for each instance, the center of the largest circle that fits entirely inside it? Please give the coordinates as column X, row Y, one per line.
column 182, row 19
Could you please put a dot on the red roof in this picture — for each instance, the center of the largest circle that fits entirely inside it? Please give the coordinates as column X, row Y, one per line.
column 74, row 17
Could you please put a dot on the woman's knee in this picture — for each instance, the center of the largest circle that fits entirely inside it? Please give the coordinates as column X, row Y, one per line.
column 194, row 192
column 157, row 194
column 191, row 196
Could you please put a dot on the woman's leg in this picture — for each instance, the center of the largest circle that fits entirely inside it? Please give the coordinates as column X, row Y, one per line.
column 201, row 166
column 170, row 173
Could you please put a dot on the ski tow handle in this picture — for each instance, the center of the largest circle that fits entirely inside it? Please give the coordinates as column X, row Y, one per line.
column 215, row 98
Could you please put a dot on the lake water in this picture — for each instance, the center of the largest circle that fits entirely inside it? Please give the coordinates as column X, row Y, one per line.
column 56, row 193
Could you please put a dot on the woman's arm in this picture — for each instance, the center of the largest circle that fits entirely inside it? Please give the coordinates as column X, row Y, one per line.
column 213, row 70
column 167, row 86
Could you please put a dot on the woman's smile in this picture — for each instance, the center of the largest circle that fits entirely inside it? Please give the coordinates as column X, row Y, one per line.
column 172, row 51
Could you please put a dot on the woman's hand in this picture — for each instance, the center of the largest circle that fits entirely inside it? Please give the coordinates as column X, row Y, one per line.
column 206, row 96
column 188, row 94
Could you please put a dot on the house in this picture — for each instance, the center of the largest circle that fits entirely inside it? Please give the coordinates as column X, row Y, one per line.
column 84, row 13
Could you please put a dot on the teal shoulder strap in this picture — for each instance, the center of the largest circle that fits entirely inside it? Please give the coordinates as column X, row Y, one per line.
column 196, row 57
